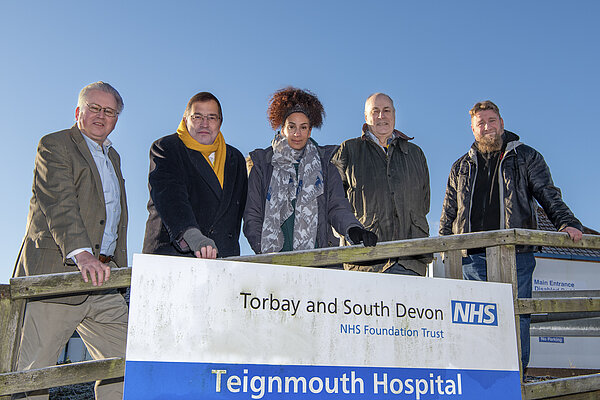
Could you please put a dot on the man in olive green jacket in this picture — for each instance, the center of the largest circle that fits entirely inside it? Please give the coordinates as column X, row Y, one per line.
column 77, row 221
column 387, row 183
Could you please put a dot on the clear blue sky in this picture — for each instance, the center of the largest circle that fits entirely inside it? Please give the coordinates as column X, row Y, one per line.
column 538, row 60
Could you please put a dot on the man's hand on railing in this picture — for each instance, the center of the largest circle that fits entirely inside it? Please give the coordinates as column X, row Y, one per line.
column 202, row 246
column 87, row 263
column 359, row 235
column 574, row 233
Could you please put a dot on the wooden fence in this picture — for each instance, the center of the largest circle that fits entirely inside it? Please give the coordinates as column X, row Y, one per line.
column 500, row 249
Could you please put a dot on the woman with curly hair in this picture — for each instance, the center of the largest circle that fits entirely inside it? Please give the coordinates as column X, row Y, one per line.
column 295, row 195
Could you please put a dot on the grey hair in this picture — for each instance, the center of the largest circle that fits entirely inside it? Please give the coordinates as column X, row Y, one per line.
column 104, row 87
column 378, row 94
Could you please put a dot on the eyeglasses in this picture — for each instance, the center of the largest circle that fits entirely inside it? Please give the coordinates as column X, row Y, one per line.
column 96, row 108
column 197, row 117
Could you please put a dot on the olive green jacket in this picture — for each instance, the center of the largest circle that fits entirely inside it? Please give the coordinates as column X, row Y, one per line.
column 389, row 193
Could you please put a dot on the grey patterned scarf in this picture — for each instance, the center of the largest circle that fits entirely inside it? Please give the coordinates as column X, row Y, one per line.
column 285, row 186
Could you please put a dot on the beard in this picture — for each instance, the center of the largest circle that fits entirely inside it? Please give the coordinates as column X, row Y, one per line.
column 490, row 143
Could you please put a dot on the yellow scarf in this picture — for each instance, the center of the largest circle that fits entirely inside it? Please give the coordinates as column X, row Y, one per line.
column 218, row 147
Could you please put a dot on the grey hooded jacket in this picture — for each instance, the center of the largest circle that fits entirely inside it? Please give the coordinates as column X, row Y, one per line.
column 525, row 178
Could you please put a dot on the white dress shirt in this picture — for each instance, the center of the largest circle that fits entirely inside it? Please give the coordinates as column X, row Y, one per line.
column 112, row 197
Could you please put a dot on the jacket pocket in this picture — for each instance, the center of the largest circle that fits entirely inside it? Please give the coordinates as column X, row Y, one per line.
column 419, row 226
column 358, row 203
column 45, row 242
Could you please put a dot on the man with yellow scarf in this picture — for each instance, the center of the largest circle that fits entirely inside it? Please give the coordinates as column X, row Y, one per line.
column 198, row 186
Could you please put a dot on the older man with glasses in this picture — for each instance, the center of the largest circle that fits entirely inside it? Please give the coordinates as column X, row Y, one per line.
column 77, row 221
column 198, row 187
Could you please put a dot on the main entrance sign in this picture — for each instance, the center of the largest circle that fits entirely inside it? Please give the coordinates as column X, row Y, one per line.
column 217, row 329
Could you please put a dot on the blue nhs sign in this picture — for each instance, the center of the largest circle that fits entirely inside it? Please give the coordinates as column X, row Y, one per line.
column 473, row 313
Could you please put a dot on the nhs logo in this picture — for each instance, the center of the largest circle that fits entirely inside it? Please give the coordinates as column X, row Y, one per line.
column 473, row 313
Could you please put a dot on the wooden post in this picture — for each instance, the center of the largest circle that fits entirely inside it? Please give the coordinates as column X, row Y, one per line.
column 502, row 267
column 5, row 360
column 11, row 320
column 453, row 264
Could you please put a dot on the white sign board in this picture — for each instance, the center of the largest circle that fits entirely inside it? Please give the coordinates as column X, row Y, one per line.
column 561, row 274
column 565, row 351
column 215, row 329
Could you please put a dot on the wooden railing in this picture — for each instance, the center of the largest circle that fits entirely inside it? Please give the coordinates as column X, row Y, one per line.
column 500, row 249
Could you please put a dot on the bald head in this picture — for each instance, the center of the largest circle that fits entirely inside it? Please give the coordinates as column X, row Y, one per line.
column 380, row 116
column 378, row 94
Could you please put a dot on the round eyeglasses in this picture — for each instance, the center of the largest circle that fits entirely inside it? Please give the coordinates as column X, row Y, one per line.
column 96, row 108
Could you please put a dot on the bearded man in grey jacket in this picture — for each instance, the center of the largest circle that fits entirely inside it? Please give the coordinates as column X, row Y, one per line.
column 495, row 185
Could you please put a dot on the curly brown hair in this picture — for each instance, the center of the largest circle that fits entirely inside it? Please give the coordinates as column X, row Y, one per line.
column 285, row 100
